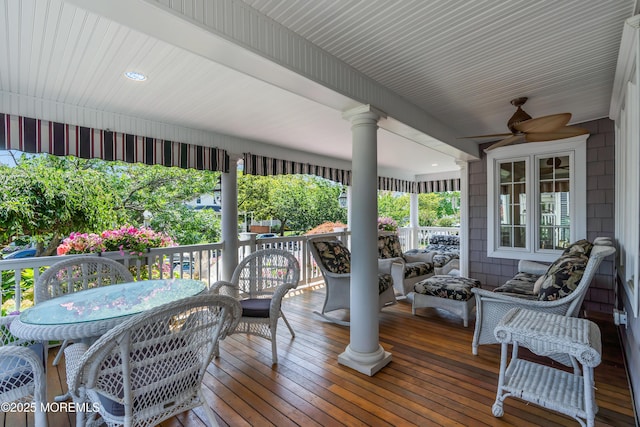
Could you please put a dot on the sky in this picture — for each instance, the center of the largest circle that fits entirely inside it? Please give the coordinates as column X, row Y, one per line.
column 6, row 159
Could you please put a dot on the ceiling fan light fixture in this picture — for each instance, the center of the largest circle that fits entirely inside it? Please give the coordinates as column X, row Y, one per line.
column 519, row 116
column 525, row 128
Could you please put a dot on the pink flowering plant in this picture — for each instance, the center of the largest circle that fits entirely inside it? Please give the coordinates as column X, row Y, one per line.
column 134, row 240
column 81, row 243
column 126, row 239
column 387, row 224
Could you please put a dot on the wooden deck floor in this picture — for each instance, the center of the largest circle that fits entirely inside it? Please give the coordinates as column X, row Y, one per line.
column 433, row 378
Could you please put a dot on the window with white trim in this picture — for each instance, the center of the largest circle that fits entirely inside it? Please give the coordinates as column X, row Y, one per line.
column 536, row 198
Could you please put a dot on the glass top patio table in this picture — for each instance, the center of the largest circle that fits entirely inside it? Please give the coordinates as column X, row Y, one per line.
column 92, row 312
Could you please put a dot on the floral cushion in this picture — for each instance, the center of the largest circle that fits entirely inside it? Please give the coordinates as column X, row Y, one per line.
column 440, row 260
column 334, row 255
column 389, row 246
column 444, row 239
column 564, row 275
column 521, row 285
column 385, row 281
column 442, row 248
column 581, row 246
column 416, row 269
column 446, row 248
column 444, row 286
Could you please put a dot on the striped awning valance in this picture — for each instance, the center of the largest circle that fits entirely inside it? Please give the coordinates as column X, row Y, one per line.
column 438, row 186
column 392, row 184
column 261, row 165
column 264, row 166
column 42, row 136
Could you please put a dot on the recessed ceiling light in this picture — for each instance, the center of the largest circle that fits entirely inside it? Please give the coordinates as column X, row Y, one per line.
column 434, row 164
column 135, row 76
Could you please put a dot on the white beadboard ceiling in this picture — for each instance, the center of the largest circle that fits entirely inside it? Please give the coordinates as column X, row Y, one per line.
column 459, row 62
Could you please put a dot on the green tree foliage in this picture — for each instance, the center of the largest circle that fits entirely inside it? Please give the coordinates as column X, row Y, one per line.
column 439, row 209
column 188, row 226
column 299, row 202
column 49, row 197
column 394, row 205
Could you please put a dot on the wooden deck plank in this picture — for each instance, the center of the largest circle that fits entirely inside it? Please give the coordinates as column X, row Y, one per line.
column 433, row 378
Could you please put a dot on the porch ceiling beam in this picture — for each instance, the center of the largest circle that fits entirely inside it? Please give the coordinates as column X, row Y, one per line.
column 232, row 33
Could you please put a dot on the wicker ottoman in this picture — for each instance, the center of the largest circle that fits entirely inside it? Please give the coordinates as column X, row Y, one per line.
column 447, row 292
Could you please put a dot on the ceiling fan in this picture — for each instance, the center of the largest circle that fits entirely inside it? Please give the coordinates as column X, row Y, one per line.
column 525, row 128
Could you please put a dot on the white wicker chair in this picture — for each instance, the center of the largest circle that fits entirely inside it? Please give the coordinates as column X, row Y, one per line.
column 150, row 367
column 261, row 281
column 336, row 272
column 75, row 274
column 406, row 269
column 492, row 306
column 22, row 377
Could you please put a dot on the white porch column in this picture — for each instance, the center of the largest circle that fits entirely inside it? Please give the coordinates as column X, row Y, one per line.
column 229, row 224
column 364, row 352
column 413, row 220
column 464, row 217
column 349, row 207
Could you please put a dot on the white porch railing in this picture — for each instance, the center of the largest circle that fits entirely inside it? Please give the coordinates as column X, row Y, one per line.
column 417, row 238
column 196, row 261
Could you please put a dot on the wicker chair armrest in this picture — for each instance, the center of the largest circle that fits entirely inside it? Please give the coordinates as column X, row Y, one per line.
column 282, row 290
column 278, row 295
column 26, row 354
column 337, row 275
column 216, row 286
column 420, row 257
column 532, row 267
column 16, row 372
column 384, row 264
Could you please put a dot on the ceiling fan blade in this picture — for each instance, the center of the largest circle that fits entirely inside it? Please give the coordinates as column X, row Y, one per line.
column 544, row 124
column 561, row 133
column 512, row 139
column 495, row 135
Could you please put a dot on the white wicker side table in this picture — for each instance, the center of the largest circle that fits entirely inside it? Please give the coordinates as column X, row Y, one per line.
column 546, row 334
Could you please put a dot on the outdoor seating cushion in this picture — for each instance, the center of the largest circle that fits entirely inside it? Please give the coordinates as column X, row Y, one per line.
column 561, row 278
column 581, row 246
column 444, row 243
column 334, row 255
column 336, row 258
column 384, row 282
column 441, row 259
column 256, row 307
column 389, row 246
column 564, row 275
column 416, row 269
column 445, row 286
column 446, row 248
column 521, row 286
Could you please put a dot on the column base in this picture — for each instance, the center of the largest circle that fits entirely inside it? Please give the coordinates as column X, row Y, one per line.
column 365, row 363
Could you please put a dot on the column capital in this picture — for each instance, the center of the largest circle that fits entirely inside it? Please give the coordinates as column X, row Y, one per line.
column 364, row 112
column 234, row 157
column 462, row 164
